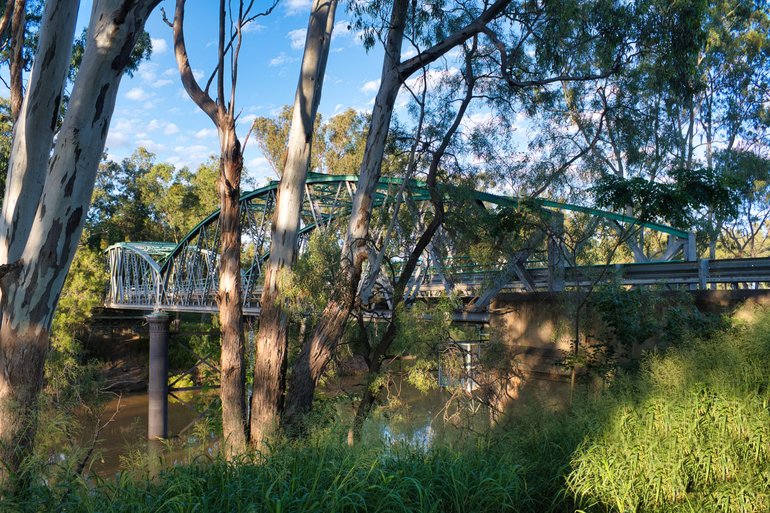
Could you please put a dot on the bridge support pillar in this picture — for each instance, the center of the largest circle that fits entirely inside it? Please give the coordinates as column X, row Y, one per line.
column 157, row 411
column 556, row 253
column 690, row 249
column 691, row 255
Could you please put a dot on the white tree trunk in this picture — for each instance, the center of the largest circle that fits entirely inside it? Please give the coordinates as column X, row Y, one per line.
column 46, row 233
column 34, row 130
column 272, row 341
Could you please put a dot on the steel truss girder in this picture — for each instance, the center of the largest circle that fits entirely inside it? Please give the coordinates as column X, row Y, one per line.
column 186, row 277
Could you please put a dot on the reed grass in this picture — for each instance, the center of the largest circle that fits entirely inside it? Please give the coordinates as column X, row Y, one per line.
column 688, row 432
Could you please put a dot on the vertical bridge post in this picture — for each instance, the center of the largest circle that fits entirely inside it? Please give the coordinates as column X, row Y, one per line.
column 157, row 410
column 556, row 260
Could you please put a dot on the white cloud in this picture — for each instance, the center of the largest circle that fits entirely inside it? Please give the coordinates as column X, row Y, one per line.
column 281, row 59
column 159, row 45
column 117, row 138
column 477, row 120
column 206, row 133
column 170, row 72
column 259, row 169
column 408, row 54
column 137, row 94
column 297, row 38
column 296, row 6
column 195, row 151
column 253, row 28
column 247, row 120
column 159, row 124
column 147, row 71
column 150, row 145
column 198, row 74
column 370, row 86
column 161, row 82
column 341, row 30
column 433, row 78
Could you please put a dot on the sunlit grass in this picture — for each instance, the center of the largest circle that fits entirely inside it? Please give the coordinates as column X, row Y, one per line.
column 691, row 432
column 688, row 432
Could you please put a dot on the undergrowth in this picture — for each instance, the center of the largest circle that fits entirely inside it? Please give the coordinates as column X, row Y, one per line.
column 688, row 432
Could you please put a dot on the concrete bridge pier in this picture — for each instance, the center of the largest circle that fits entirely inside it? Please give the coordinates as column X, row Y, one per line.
column 157, row 410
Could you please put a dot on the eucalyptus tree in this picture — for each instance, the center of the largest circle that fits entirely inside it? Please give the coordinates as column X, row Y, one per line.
column 436, row 131
column 221, row 109
column 272, row 339
column 338, row 142
column 271, row 134
column 48, row 191
column 696, row 85
column 747, row 233
column 531, row 46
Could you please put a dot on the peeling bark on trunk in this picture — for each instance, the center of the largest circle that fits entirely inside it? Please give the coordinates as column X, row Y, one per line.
column 320, row 347
column 311, row 364
column 34, row 129
column 44, row 235
column 272, row 339
column 232, row 389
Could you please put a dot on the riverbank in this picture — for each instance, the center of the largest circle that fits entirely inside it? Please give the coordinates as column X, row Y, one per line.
column 687, row 432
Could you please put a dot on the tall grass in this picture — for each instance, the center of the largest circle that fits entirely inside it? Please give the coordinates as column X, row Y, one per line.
column 689, row 432
column 319, row 477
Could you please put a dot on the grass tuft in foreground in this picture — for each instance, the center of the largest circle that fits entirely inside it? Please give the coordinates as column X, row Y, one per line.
column 688, row 432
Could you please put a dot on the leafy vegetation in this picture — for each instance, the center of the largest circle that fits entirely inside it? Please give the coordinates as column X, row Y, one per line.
column 686, row 433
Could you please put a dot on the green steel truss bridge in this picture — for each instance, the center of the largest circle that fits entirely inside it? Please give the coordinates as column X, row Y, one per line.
column 184, row 277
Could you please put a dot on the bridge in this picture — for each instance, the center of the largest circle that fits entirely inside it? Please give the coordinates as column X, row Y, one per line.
column 183, row 277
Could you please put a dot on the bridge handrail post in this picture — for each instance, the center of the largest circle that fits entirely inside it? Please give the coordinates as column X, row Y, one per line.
column 691, row 250
column 556, row 258
column 703, row 273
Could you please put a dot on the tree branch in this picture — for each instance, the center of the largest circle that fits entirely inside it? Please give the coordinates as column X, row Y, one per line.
column 6, row 19
column 521, row 84
column 201, row 98
column 406, row 68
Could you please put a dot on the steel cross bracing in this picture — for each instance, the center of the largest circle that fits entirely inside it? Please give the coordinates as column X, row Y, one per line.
column 184, row 276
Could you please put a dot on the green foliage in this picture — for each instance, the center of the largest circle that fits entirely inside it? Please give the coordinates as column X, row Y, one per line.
column 338, row 144
column 83, row 290
column 139, row 200
column 323, row 476
column 423, row 327
column 641, row 319
column 6, row 140
column 72, row 398
column 306, row 288
column 677, row 203
column 688, row 434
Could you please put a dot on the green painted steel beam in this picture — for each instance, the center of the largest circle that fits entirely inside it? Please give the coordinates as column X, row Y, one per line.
column 420, row 192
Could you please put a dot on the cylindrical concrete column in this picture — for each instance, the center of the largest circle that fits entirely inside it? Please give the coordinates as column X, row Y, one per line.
column 157, row 411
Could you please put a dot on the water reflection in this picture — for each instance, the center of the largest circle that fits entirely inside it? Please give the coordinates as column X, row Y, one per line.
column 411, row 417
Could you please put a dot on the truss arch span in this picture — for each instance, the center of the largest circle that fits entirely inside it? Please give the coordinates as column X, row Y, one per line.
column 185, row 276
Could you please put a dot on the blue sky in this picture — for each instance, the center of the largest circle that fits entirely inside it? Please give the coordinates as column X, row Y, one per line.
column 153, row 110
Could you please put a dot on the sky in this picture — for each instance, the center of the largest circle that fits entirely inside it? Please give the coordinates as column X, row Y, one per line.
column 154, row 111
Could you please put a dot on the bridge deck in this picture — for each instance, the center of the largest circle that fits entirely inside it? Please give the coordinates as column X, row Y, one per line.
column 200, row 297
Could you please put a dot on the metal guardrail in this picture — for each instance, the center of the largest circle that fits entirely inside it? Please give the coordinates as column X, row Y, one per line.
column 699, row 274
column 693, row 275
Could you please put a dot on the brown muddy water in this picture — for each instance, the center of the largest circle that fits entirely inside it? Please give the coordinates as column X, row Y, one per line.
column 410, row 417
